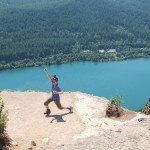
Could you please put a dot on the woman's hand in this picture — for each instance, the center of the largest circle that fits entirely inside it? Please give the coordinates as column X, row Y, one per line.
column 48, row 75
column 55, row 92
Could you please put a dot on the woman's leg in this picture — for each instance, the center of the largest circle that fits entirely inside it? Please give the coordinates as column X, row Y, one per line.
column 58, row 104
column 46, row 105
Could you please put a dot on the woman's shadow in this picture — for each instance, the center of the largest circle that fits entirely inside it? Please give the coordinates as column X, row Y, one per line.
column 58, row 118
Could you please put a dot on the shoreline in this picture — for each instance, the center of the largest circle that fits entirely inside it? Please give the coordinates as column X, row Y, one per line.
column 70, row 61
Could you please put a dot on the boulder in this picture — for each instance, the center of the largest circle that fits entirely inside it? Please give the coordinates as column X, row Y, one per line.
column 14, row 143
column 45, row 141
column 30, row 145
column 114, row 111
column 33, row 143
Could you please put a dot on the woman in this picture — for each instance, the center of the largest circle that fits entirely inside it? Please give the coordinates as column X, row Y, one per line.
column 56, row 91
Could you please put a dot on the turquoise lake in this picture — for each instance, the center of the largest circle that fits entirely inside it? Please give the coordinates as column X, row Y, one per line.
column 130, row 79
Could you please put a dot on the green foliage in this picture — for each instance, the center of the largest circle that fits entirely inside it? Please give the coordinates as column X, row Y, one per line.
column 146, row 109
column 3, row 118
column 117, row 100
column 80, row 56
column 33, row 31
column 114, row 107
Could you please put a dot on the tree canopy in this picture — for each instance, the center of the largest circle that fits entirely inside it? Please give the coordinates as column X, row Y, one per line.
column 37, row 29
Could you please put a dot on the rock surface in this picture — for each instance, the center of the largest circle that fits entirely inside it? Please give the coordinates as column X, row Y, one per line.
column 132, row 136
column 45, row 141
column 87, row 128
column 14, row 143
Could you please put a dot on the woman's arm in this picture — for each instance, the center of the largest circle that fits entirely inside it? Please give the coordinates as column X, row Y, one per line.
column 55, row 92
column 48, row 75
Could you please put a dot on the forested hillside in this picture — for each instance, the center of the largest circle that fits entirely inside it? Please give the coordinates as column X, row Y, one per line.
column 35, row 32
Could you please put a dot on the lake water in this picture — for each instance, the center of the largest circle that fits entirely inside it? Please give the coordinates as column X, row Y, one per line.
column 130, row 79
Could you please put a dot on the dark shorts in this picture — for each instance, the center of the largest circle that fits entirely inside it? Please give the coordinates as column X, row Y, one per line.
column 57, row 102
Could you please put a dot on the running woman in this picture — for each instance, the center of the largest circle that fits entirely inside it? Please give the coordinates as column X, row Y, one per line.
column 56, row 91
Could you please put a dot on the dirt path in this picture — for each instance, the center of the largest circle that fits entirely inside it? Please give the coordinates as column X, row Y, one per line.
column 27, row 122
